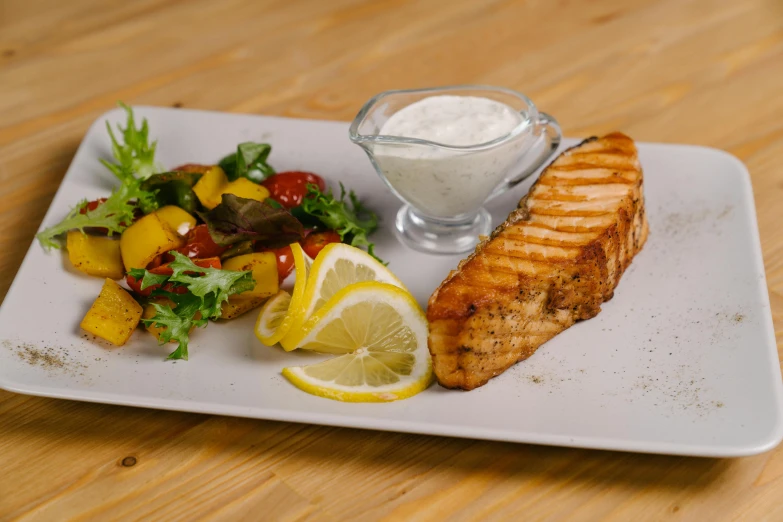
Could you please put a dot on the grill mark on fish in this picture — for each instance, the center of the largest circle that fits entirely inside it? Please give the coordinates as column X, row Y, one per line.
column 564, row 212
column 551, row 263
column 606, row 192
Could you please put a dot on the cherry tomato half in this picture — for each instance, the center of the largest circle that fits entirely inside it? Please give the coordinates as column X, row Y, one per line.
column 157, row 261
column 92, row 205
column 316, row 241
column 285, row 261
column 198, row 245
column 289, row 188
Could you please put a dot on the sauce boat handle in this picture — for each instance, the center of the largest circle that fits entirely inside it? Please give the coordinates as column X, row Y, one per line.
column 552, row 136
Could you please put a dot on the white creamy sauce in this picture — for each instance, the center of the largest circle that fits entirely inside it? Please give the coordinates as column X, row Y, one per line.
column 453, row 120
column 441, row 182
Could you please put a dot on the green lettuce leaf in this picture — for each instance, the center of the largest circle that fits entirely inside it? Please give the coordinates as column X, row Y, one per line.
column 147, row 278
column 135, row 162
column 115, row 214
column 177, row 322
column 136, row 155
column 207, row 290
column 351, row 219
column 249, row 161
column 212, row 285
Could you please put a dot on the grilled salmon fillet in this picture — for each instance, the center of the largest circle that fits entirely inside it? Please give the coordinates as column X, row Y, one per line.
column 551, row 263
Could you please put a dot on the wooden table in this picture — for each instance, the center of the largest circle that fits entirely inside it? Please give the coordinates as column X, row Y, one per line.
column 706, row 72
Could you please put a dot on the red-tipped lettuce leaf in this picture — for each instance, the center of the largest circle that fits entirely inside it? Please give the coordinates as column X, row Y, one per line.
column 238, row 219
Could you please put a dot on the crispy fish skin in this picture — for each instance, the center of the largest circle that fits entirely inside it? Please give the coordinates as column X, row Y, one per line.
column 553, row 262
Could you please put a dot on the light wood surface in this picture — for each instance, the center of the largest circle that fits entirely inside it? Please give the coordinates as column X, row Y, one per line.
column 706, row 72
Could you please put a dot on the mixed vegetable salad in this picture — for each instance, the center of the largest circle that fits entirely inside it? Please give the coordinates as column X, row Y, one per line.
column 197, row 242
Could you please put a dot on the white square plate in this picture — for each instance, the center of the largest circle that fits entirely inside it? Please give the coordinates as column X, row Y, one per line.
column 682, row 360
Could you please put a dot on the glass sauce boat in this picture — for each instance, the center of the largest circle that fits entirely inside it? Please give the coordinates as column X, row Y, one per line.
column 444, row 187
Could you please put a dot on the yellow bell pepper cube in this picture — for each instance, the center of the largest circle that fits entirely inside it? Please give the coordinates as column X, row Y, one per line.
column 236, row 306
column 244, row 188
column 145, row 239
column 214, row 183
column 114, row 314
column 176, row 218
column 95, row 255
column 211, row 185
column 264, row 268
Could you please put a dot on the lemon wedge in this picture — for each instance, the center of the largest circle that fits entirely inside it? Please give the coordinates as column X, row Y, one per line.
column 337, row 266
column 379, row 333
column 284, row 311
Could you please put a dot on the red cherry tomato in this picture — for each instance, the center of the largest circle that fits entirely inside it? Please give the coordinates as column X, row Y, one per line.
column 156, row 261
column 285, row 261
column 198, row 245
column 316, row 241
column 92, row 205
column 290, row 188
column 135, row 285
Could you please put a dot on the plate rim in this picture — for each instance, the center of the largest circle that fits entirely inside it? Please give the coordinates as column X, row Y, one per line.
column 411, row 427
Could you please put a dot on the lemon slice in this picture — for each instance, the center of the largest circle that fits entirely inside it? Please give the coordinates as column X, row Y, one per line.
column 380, row 335
column 284, row 311
column 337, row 266
column 271, row 317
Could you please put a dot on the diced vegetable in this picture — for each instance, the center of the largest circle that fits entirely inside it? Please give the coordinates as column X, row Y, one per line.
column 236, row 306
column 145, row 239
column 95, row 255
column 176, row 218
column 114, row 314
column 244, row 188
column 210, row 187
column 264, row 268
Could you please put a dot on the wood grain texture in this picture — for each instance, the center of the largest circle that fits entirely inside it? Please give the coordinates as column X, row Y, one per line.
column 706, row 72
